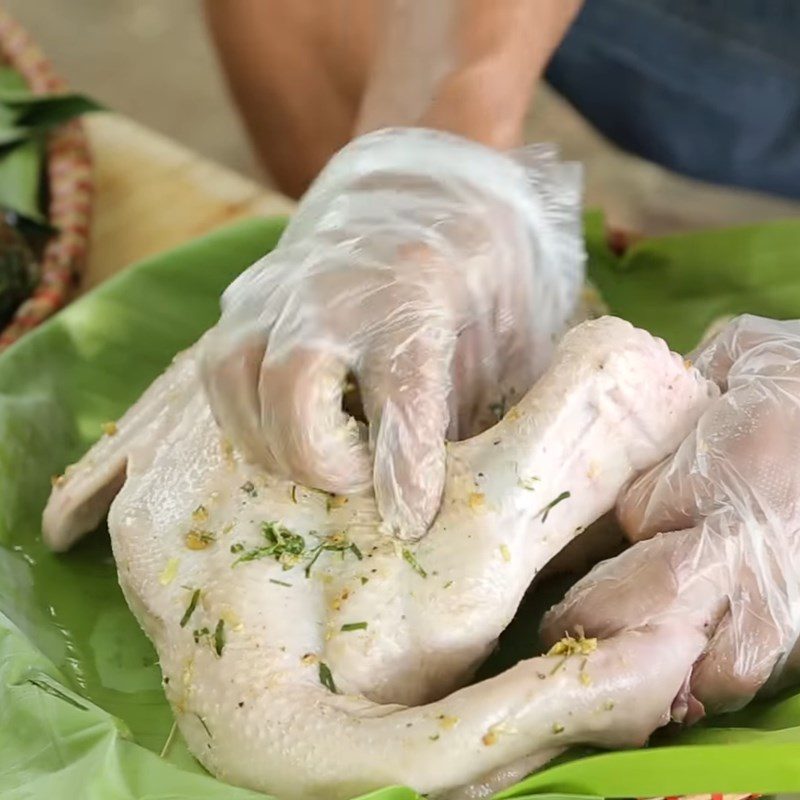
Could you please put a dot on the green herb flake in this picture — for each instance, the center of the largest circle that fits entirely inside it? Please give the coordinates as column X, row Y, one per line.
column 200, row 633
column 410, row 558
column 434, row 738
column 279, row 583
column 448, row 584
column 190, row 608
column 552, row 504
column 249, row 488
column 205, row 726
column 326, row 678
column 364, row 579
column 294, row 493
column 335, row 543
column 219, row 637
column 285, row 547
column 354, row 626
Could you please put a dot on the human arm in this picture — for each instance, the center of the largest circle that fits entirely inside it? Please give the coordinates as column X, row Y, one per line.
column 716, row 526
column 309, row 76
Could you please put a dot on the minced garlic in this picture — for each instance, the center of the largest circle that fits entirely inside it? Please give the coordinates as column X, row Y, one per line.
column 200, row 514
column 476, row 500
column 572, row 646
column 447, row 722
column 199, row 540
column 336, row 501
column 490, row 737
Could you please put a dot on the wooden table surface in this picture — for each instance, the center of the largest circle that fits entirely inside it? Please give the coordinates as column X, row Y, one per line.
column 152, row 194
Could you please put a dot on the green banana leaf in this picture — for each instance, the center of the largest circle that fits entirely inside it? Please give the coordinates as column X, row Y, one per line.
column 82, row 713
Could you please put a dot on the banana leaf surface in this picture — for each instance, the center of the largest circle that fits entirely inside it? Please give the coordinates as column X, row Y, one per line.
column 82, row 712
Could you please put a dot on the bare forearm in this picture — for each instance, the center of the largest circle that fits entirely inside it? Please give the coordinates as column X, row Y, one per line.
column 296, row 69
column 465, row 66
column 308, row 75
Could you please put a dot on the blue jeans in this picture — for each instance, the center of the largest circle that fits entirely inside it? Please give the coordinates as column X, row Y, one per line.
column 709, row 88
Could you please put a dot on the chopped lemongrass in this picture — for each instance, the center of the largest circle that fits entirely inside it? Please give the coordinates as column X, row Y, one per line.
column 170, row 571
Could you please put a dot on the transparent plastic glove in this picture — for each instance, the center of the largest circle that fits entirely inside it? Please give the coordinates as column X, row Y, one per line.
column 717, row 527
column 435, row 271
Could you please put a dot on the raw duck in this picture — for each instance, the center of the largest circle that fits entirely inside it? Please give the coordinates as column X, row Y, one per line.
column 308, row 654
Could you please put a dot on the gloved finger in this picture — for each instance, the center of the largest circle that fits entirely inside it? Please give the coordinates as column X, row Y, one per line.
column 786, row 674
column 626, row 592
column 228, row 373
column 662, row 499
column 405, row 385
column 746, row 336
column 735, row 459
column 758, row 629
column 307, row 434
column 710, row 468
column 739, row 659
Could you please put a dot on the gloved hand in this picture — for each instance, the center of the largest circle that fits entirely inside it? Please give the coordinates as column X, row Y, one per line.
column 717, row 527
column 435, row 271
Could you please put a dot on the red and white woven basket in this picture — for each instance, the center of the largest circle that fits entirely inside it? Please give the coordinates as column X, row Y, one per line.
column 69, row 178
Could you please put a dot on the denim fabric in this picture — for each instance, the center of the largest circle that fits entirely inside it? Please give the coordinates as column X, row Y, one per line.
column 709, row 88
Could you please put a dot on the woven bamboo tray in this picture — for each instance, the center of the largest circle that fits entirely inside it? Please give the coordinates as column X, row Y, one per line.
column 69, row 189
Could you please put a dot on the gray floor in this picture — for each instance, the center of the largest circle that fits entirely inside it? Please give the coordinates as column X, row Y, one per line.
column 151, row 59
